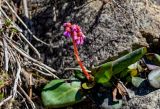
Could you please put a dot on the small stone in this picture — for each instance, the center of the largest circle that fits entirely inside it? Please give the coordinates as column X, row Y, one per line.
column 154, row 78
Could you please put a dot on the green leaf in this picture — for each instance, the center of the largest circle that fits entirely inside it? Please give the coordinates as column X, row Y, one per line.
column 129, row 79
column 136, row 81
column 134, row 66
column 88, row 85
column 60, row 93
column 155, row 58
column 103, row 73
column 132, row 70
column 124, row 73
column 123, row 62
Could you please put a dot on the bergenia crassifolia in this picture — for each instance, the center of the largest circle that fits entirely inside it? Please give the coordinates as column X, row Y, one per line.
column 74, row 31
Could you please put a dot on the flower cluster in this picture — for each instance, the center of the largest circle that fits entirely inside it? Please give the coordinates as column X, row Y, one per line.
column 75, row 32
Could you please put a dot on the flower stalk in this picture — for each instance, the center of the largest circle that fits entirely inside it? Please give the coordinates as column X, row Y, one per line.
column 79, row 61
column 77, row 36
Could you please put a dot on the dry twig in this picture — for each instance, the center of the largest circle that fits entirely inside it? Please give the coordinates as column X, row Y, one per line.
column 17, row 78
column 5, row 100
column 24, row 100
column 6, row 55
column 27, row 97
column 22, row 36
column 25, row 24
column 76, row 69
column 30, row 85
column 31, row 59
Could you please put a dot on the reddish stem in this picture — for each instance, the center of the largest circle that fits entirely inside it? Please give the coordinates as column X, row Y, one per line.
column 79, row 60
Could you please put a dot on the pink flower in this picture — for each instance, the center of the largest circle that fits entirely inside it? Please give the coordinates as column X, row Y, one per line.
column 74, row 28
column 67, row 24
column 67, row 32
column 74, row 35
column 75, row 32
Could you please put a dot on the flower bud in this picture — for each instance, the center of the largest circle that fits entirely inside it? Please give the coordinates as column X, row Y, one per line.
column 67, row 24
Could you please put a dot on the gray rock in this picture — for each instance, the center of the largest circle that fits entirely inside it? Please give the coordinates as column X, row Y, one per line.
column 149, row 101
column 154, row 78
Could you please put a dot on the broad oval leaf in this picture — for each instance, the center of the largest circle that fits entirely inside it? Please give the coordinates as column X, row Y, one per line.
column 60, row 93
column 154, row 78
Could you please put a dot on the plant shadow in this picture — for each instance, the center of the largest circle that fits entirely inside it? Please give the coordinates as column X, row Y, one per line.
column 143, row 89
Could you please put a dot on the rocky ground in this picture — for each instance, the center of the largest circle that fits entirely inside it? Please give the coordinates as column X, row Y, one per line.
column 111, row 27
